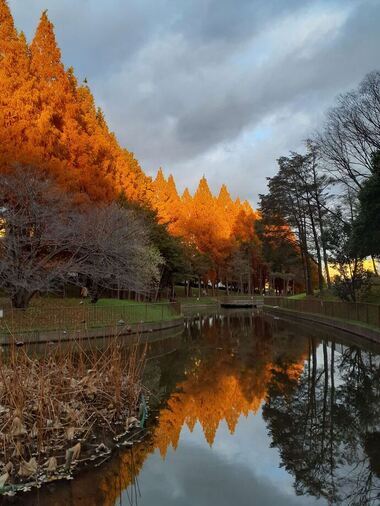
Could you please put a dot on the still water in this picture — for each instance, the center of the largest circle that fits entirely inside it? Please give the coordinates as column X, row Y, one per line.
column 247, row 409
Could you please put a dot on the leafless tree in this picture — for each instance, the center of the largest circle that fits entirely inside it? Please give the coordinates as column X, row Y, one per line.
column 45, row 241
column 352, row 133
column 115, row 251
column 35, row 235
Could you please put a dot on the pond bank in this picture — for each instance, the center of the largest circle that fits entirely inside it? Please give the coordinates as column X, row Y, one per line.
column 355, row 328
column 56, row 336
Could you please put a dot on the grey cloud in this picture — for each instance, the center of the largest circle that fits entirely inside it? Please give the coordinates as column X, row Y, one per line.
column 95, row 36
column 184, row 84
column 200, row 477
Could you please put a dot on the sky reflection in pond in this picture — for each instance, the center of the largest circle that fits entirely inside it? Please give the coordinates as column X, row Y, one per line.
column 238, row 469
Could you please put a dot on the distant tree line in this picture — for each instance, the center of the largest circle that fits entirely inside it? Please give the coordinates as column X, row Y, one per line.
column 330, row 194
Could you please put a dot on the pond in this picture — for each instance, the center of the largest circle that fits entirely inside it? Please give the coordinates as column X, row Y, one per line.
column 246, row 409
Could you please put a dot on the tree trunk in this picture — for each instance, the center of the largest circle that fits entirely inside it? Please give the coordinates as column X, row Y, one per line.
column 318, row 251
column 374, row 266
column 309, row 286
column 21, row 299
column 94, row 293
column 322, row 231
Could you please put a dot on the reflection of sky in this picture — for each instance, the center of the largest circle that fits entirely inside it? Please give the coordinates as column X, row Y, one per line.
column 239, row 469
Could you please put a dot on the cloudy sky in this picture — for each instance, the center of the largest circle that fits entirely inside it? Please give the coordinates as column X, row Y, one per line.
column 214, row 87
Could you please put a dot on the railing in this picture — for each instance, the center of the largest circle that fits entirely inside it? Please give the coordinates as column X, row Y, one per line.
column 353, row 311
column 84, row 317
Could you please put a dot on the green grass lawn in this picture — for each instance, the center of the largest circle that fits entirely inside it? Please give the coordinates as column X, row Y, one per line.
column 298, row 296
column 53, row 313
column 373, row 297
column 326, row 295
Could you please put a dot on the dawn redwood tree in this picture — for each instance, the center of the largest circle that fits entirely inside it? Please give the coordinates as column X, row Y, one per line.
column 16, row 85
column 55, row 94
column 48, row 121
column 166, row 200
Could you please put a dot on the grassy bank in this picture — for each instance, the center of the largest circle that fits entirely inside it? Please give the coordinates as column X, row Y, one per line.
column 373, row 297
column 355, row 326
column 49, row 313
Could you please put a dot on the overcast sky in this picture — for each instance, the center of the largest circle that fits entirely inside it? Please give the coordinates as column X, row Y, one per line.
column 214, row 87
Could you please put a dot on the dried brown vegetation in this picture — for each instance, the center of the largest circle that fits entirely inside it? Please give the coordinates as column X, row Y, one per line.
column 63, row 408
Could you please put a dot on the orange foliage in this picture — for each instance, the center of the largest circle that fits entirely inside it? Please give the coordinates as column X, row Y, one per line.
column 214, row 225
column 219, row 390
column 48, row 120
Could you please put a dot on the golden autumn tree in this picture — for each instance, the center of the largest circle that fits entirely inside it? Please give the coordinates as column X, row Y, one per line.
column 53, row 96
column 16, row 85
column 216, row 227
column 226, row 206
column 72, row 133
column 48, row 121
column 165, row 200
column 186, row 199
column 204, row 224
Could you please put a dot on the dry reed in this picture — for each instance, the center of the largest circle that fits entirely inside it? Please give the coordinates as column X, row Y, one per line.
column 63, row 408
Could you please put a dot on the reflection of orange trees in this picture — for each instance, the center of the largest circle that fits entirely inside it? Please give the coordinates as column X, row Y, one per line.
column 217, row 391
column 213, row 391
column 97, row 486
column 208, row 406
column 122, row 473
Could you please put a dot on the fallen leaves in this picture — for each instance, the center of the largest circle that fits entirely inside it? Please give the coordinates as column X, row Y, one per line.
column 28, row 469
column 51, row 465
column 63, row 409
column 3, row 479
column 17, row 428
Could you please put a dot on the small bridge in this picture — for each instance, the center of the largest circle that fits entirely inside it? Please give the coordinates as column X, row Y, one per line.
column 241, row 302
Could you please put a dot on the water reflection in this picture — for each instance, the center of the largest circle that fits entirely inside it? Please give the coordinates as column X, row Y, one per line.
column 250, row 410
column 327, row 424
